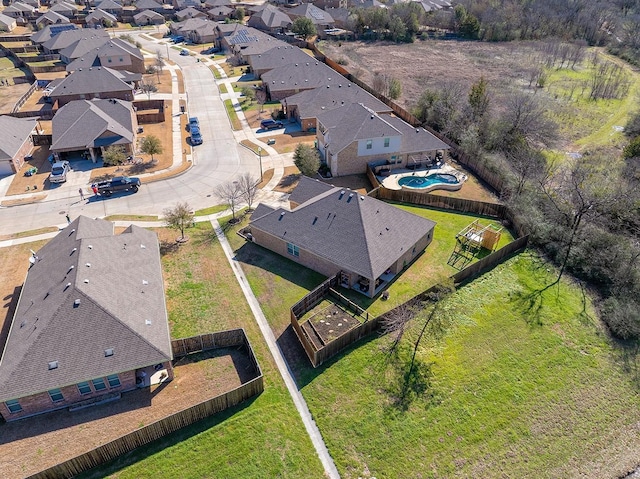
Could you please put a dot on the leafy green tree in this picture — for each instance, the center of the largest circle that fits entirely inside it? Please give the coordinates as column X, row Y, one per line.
column 632, row 150
column 179, row 218
column 397, row 29
column 307, row 159
column 114, row 155
column 467, row 25
column 248, row 93
column 238, row 14
column 304, row 27
column 151, row 145
column 479, row 98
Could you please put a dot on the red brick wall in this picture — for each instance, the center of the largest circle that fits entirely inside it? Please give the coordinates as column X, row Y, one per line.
column 25, row 149
column 40, row 403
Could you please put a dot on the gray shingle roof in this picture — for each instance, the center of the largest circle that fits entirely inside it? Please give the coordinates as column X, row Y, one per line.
column 311, row 103
column 147, row 14
column 303, row 76
column 47, row 34
column 270, row 17
column 6, row 21
column 78, row 124
column 189, row 12
column 53, row 17
column 13, row 133
column 315, row 14
column 64, row 7
column 118, row 293
column 69, row 37
column 147, row 5
column 113, row 47
column 357, row 233
column 100, row 15
column 277, row 57
column 109, row 5
column 308, row 188
column 80, row 47
column 218, row 3
column 415, row 139
column 91, row 80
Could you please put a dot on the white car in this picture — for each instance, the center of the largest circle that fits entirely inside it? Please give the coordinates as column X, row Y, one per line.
column 59, row 172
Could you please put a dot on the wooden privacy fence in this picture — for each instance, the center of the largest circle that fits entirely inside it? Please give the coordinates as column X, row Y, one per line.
column 149, row 111
column 172, row 423
column 317, row 356
column 23, row 99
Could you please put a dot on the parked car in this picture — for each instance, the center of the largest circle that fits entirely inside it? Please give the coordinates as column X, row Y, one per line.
column 271, row 124
column 196, row 136
column 118, row 183
column 178, row 39
column 184, row 52
column 193, row 122
column 59, row 172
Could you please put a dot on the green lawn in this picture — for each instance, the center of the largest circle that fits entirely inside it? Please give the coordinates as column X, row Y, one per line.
column 222, row 87
column 216, row 73
column 262, row 438
column 211, row 210
column 233, row 116
column 503, row 390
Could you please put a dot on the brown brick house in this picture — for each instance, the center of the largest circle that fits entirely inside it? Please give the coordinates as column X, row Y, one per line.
column 354, row 135
column 93, row 82
column 15, row 142
column 91, row 316
column 333, row 230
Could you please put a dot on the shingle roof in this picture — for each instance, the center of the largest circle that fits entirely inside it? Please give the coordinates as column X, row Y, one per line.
column 270, row 17
column 303, row 76
column 222, row 10
column 147, row 5
column 91, row 80
column 63, row 7
column 109, row 5
column 277, row 57
column 311, row 103
column 79, row 124
column 51, row 31
column 147, row 14
column 313, row 13
column 218, row 3
column 13, row 133
column 80, row 47
column 67, row 38
column 19, row 7
column 6, row 20
column 101, row 15
column 189, row 12
column 53, row 17
column 117, row 282
column 308, row 188
column 358, row 233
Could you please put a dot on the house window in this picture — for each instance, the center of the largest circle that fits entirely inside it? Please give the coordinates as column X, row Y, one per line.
column 84, row 388
column 386, row 142
column 98, row 384
column 56, row 395
column 121, row 59
column 114, row 381
column 369, row 144
column 109, row 60
column 13, row 406
column 293, row 250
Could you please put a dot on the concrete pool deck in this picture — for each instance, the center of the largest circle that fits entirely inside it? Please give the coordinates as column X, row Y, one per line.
column 391, row 181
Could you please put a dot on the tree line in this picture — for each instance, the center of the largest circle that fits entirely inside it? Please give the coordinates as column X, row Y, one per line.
column 582, row 212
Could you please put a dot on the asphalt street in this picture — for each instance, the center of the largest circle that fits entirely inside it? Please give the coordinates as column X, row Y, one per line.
column 217, row 160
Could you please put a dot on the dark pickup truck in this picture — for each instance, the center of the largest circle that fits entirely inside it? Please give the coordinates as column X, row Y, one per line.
column 118, row 183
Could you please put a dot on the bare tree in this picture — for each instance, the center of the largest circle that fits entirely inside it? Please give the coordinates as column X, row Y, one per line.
column 396, row 322
column 179, row 218
column 148, row 86
column 248, row 188
column 231, row 193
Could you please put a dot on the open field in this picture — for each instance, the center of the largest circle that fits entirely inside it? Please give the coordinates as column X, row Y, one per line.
column 263, row 437
column 506, row 66
column 503, row 390
column 9, row 95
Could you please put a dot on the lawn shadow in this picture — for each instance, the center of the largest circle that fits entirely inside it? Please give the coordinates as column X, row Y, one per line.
column 289, row 181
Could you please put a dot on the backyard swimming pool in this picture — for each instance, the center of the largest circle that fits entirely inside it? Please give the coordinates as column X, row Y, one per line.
column 422, row 182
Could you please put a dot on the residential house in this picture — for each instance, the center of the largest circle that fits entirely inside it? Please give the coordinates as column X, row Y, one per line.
column 34, row 3
column 15, row 142
column 327, row 4
column 51, row 18
column 221, row 13
column 290, row 79
column 66, row 9
column 270, row 19
column 353, row 135
column 276, row 57
column 434, row 5
column 305, row 106
column 320, row 18
column 189, row 12
column 241, row 41
column 342, row 17
column 100, row 18
column 116, row 54
column 142, row 5
column 81, row 47
column 68, row 35
column 7, row 24
column 336, row 230
column 93, row 82
column 182, row 4
column 83, row 126
column 21, row 12
column 198, row 30
column 111, row 6
column 148, row 17
column 48, row 32
column 217, row 3
column 90, row 319
column 366, row 4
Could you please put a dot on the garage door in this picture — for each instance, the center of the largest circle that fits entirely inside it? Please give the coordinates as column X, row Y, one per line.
column 5, row 168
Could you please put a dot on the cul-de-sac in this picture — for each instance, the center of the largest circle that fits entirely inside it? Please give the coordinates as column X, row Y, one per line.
column 355, row 239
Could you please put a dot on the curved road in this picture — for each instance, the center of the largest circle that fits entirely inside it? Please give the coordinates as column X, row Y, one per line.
column 217, row 160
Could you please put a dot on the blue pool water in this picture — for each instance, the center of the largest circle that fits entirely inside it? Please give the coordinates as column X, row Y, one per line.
column 419, row 182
